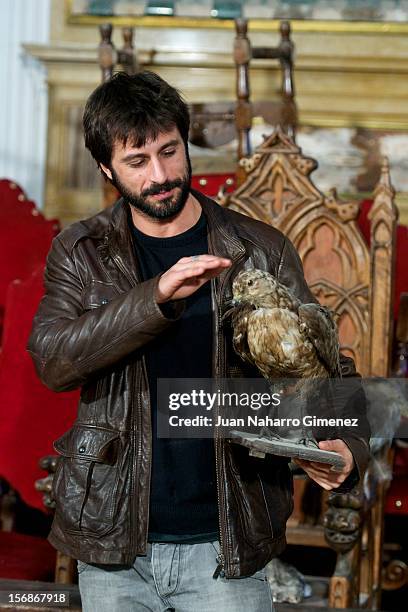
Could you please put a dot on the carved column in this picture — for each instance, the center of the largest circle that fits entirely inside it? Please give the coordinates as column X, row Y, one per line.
column 342, row 523
column 383, row 216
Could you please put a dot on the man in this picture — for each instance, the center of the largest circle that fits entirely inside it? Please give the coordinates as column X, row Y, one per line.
column 135, row 294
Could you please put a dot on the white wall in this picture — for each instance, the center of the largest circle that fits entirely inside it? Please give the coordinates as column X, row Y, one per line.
column 23, row 95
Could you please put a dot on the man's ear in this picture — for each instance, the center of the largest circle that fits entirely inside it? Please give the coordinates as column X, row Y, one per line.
column 106, row 171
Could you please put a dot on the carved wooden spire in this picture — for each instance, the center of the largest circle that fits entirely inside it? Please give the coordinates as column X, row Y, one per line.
column 106, row 51
column 383, row 235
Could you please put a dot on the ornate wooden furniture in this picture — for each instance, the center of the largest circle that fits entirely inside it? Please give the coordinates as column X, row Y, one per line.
column 355, row 279
column 26, row 404
column 285, row 113
column 212, row 124
column 109, row 56
column 216, row 123
column 25, row 237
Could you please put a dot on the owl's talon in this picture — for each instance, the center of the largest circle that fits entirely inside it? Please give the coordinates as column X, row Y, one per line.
column 267, row 433
column 310, row 442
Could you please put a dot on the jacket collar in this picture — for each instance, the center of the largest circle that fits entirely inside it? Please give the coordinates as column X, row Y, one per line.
column 222, row 235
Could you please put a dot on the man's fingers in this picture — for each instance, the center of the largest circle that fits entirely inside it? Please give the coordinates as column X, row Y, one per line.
column 187, row 275
column 203, row 271
column 331, row 445
column 333, row 479
column 325, row 485
column 324, row 477
column 207, row 264
column 211, row 273
column 203, row 259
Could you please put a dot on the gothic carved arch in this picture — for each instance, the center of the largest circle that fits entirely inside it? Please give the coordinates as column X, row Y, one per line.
column 343, row 271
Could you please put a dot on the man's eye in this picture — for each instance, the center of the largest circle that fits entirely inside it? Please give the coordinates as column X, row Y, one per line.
column 137, row 164
column 169, row 152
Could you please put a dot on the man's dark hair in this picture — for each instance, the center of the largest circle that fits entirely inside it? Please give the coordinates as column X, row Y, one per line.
column 132, row 108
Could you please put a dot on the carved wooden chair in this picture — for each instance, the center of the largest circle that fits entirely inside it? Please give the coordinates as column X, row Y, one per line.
column 216, row 123
column 355, row 279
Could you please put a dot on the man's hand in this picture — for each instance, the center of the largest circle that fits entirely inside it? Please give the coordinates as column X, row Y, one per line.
column 188, row 275
column 321, row 472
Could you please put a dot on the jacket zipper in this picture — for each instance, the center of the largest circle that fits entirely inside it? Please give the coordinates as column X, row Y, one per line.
column 222, row 560
column 136, row 446
column 139, row 455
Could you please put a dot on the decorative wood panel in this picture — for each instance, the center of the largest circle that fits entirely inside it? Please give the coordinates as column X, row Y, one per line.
column 345, row 273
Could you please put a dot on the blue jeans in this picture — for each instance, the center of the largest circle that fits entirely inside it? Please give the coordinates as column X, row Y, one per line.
column 171, row 577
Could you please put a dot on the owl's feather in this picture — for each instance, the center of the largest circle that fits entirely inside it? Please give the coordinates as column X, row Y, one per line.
column 281, row 336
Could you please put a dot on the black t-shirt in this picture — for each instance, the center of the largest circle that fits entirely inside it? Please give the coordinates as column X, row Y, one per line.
column 183, row 497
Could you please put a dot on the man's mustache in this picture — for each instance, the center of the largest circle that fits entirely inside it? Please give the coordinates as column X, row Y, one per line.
column 166, row 186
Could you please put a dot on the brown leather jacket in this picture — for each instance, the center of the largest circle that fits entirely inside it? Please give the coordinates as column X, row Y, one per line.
column 89, row 331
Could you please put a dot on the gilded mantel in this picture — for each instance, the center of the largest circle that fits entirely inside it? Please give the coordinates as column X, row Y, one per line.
column 343, row 79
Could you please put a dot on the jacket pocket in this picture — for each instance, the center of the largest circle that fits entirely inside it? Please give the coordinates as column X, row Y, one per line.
column 98, row 293
column 249, row 497
column 277, row 488
column 86, row 484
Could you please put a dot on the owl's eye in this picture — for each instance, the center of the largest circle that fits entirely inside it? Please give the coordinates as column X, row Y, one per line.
column 250, row 282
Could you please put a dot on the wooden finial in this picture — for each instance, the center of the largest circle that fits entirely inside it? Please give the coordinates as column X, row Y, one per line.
column 384, row 184
column 384, row 194
column 284, row 29
column 241, row 27
column 127, row 56
column 127, row 34
column 105, row 30
column 106, row 51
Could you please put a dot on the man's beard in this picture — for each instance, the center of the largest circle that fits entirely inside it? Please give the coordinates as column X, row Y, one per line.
column 160, row 209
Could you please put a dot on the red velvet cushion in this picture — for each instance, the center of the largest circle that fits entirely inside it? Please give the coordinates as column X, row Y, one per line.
column 32, row 416
column 209, row 184
column 25, row 237
column 26, row 557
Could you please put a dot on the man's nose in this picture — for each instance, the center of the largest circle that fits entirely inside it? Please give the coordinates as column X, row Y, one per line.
column 158, row 172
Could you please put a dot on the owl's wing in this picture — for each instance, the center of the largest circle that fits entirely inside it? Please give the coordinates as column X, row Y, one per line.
column 240, row 317
column 277, row 347
column 321, row 330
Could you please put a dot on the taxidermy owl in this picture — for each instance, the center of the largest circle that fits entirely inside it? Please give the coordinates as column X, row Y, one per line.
column 285, row 339
column 281, row 336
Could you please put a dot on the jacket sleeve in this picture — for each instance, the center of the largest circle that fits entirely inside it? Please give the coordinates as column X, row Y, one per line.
column 69, row 344
column 290, row 273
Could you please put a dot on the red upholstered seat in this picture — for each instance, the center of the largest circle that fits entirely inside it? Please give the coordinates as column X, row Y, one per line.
column 32, row 416
column 25, row 557
column 210, row 184
column 25, row 237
